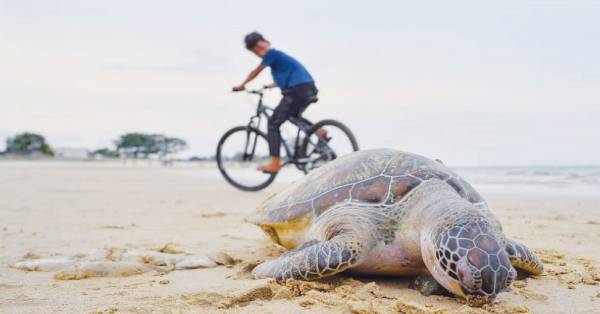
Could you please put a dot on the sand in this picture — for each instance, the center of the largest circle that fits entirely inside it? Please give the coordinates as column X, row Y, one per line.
column 59, row 209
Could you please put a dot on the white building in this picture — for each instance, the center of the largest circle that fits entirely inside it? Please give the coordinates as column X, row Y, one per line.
column 71, row 153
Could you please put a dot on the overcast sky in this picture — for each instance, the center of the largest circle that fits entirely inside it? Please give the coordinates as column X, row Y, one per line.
column 470, row 82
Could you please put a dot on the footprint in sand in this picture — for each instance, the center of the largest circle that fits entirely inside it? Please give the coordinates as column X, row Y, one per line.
column 570, row 272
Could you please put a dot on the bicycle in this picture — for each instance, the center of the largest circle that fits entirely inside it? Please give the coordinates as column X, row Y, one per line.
column 243, row 147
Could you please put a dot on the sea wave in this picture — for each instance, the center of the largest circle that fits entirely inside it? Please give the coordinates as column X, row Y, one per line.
column 532, row 175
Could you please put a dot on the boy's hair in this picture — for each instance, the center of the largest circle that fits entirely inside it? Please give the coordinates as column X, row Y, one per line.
column 252, row 39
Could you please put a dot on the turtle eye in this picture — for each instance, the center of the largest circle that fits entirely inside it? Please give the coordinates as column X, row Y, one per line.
column 470, row 277
column 512, row 275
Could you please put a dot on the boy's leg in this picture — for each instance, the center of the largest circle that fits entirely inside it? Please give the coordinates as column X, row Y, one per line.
column 280, row 115
column 311, row 91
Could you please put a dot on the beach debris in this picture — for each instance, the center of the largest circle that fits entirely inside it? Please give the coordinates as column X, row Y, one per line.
column 213, row 215
column 177, row 261
column 170, row 248
column 31, row 255
column 115, row 263
column 245, row 271
column 118, row 227
column 82, row 270
column 44, row 264
column 192, row 262
column 222, row 258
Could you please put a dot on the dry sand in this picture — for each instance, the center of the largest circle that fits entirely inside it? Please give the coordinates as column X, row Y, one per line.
column 65, row 208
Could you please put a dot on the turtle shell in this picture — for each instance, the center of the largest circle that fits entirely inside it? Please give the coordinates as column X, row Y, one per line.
column 380, row 176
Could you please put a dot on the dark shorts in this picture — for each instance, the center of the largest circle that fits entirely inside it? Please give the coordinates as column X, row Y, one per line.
column 295, row 100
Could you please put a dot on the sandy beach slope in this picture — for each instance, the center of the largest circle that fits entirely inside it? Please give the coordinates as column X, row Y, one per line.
column 50, row 209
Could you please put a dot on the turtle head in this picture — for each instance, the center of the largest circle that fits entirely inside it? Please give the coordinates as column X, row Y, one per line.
column 469, row 260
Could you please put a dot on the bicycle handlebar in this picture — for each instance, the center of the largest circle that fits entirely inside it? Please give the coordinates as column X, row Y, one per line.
column 258, row 91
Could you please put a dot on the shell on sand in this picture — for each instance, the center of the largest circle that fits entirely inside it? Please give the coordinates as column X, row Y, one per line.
column 44, row 264
column 109, row 263
column 81, row 270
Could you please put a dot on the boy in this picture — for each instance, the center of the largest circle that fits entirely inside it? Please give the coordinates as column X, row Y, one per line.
column 296, row 84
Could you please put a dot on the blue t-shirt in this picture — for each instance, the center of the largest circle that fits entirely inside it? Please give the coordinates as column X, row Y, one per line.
column 287, row 72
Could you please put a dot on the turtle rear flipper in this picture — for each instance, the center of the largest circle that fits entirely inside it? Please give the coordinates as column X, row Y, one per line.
column 522, row 258
column 313, row 260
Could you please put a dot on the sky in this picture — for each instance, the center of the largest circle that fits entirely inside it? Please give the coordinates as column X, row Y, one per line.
column 470, row 82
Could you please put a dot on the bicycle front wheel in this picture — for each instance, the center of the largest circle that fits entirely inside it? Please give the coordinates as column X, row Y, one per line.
column 325, row 141
column 239, row 152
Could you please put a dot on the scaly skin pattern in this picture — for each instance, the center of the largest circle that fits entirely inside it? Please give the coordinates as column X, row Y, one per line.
column 396, row 213
column 314, row 260
column 522, row 258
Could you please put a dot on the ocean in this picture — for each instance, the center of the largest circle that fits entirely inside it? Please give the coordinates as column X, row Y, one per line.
column 557, row 180
column 575, row 180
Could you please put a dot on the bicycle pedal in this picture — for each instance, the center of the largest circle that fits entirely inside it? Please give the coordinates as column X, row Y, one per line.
column 323, row 141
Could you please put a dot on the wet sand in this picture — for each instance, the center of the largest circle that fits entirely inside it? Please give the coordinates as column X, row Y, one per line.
column 50, row 209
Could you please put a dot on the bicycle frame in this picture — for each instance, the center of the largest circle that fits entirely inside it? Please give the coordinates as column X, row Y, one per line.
column 262, row 111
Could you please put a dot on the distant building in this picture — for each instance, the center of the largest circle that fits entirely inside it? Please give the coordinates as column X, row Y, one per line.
column 34, row 154
column 71, row 153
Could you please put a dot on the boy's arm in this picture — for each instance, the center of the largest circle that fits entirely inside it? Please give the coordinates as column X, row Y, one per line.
column 250, row 77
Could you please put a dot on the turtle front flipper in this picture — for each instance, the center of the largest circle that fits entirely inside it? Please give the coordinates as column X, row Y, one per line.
column 427, row 285
column 313, row 260
column 522, row 258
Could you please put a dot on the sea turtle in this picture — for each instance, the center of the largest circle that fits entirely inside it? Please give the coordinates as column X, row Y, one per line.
column 390, row 212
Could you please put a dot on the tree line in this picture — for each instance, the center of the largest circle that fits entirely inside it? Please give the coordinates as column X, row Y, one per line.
column 129, row 145
column 28, row 144
column 141, row 145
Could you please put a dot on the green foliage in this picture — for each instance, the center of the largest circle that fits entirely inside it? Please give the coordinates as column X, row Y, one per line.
column 141, row 145
column 202, row 158
column 28, row 143
column 135, row 143
column 169, row 145
column 106, row 152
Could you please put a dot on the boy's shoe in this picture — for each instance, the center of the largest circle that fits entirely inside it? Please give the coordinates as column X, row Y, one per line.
column 273, row 167
column 322, row 133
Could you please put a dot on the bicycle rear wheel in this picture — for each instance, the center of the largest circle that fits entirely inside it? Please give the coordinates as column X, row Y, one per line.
column 318, row 150
column 239, row 152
